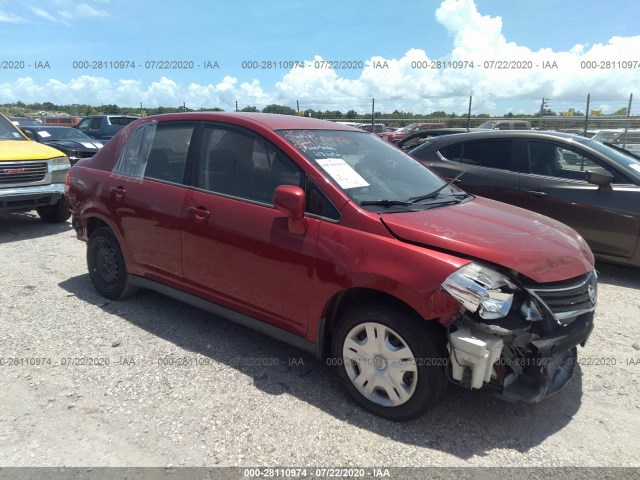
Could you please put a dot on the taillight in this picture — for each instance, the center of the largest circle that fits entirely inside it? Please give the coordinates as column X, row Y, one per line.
column 67, row 183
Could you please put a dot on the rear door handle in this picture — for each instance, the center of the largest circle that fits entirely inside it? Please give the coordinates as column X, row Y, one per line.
column 536, row 193
column 118, row 191
column 200, row 213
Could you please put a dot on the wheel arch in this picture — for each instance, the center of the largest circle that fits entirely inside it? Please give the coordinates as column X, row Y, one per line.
column 350, row 298
column 94, row 221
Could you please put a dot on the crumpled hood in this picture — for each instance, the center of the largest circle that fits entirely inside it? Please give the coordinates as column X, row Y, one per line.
column 534, row 245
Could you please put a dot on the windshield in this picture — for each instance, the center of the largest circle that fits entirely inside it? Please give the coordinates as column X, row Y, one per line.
column 625, row 161
column 8, row 131
column 24, row 121
column 121, row 121
column 366, row 168
column 61, row 133
column 488, row 124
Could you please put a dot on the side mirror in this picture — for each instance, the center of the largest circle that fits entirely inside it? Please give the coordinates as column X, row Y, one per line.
column 600, row 177
column 28, row 134
column 291, row 201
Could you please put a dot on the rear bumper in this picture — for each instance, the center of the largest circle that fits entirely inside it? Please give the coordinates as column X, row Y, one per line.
column 28, row 198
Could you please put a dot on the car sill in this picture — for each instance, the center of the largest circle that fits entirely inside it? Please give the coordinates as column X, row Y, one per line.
column 237, row 317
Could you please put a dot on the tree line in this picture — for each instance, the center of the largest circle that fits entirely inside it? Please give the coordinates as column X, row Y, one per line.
column 393, row 119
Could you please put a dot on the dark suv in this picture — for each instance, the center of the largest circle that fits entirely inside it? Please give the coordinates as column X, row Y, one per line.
column 331, row 239
column 103, row 127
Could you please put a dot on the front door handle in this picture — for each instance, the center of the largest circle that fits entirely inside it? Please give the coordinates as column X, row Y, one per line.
column 119, row 192
column 200, row 213
column 536, row 193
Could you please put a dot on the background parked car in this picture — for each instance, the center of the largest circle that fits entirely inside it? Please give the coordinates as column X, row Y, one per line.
column 71, row 141
column 416, row 139
column 505, row 125
column 32, row 176
column 627, row 139
column 377, row 128
column 60, row 120
column 104, row 127
column 401, row 133
column 24, row 121
column 579, row 181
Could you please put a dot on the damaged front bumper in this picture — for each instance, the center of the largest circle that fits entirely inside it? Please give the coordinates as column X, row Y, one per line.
column 526, row 358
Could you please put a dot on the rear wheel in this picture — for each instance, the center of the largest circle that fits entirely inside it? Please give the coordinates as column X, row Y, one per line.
column 56, row 213
column 391, row 362
column 107, row 269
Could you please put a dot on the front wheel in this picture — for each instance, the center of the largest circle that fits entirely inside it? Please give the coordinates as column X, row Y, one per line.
column 391, row 362
column 107, row 269
column 56, row 213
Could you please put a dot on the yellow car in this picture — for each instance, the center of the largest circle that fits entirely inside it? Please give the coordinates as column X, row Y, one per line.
column 32, row 175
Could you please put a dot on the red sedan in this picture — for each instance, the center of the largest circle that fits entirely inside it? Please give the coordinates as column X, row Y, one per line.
column 337, row 242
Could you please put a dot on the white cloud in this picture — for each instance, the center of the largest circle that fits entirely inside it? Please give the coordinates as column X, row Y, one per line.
column 43, row 13
column 66, row 10
column 10, row 18
column 400, row 84
column 84, row 10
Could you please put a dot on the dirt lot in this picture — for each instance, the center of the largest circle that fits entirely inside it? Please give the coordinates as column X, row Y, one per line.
column 152, row 382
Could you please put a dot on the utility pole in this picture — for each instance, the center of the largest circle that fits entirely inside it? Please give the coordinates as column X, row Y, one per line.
column 626, row 125
column 373, row 115
column 586, row 115
column 469, row 113
column 543, row 106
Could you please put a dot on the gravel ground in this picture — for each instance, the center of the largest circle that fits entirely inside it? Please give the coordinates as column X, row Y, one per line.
column 247, row 400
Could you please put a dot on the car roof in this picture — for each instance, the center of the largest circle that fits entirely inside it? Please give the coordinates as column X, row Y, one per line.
column 447, row 130
column 272, row 121
column 102, row 115
column 489, row 134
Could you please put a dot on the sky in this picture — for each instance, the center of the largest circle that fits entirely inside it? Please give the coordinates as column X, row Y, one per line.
column 416, row 56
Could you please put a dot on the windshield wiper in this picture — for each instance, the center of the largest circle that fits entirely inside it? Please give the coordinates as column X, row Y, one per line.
column 384, row 203
column 435, row 192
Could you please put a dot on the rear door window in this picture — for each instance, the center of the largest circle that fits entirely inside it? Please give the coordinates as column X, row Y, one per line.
column 168, row 153
column 485, row 153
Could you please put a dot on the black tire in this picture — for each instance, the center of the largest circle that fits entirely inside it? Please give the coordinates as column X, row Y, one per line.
column 106, row 265
column 57, row 213
column 420, row 376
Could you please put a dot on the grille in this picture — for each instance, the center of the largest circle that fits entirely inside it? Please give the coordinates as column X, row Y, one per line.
column 22, row 172
column 568, row 298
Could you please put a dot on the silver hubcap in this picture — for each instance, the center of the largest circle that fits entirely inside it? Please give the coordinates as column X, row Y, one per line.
column 380, row 364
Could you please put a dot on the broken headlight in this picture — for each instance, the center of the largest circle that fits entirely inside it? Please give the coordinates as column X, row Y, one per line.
column 481, row 290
